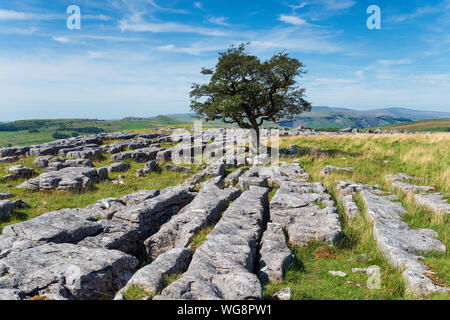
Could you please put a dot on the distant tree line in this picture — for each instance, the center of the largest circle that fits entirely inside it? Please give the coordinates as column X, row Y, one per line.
column 92, row 130
column 22, row 125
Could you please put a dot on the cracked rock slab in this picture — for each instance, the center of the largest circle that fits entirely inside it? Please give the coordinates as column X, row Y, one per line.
column 72, row 179
column 6, row 208
column 297, row 208
column 400, row 244
column 222, row 267
column 150, row 214
column 434, row 201
column 57, row 227
column 332, row 169
column 203, row 211
column 65, row 271
column 274, row 255
column 151, row 277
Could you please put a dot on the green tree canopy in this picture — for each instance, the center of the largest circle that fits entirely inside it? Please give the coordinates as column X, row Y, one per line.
column 248, row 92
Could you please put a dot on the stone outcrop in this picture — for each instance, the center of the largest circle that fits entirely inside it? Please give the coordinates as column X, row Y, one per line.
column 274, row 255
column 18, row 172
column 139, row 155
column 70, row 179
column 150, row 214
column 222, row 267
column 433, row 201
column 272, row 176
column 65, row 271
column 118, row 167
column 306, row 212
column 63, row 226
column 346, row 191
column 151, row 277
column 6, row 208
column 5, row 195
column 233, row 178
column 332, row 169
column 175, row 168
column 400, row 244
column 203, row 211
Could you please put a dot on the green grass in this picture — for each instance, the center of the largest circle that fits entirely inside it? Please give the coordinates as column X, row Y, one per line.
column 41, row 202
column 168, row 279
column 424, row 156
column 418, row 155
column 200, row 237
column 47, row 127
column 135, row 292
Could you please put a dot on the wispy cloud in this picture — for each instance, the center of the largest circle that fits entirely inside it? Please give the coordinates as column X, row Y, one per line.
column 163, row 9
column 19, row 31
column 388, row 63
column 137, row 24
column 221, row 21
column 198, row 5
column 61, row 39
column 419, row 12
column 16, row 15
column 291, row 19
column 300, row 5
column 335, row 4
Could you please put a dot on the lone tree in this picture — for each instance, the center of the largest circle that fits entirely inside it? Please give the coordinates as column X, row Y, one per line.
column 246, row 91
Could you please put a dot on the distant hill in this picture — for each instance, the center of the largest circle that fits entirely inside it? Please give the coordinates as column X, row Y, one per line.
column 327, row 117
column 322, row 117
column 433, row 125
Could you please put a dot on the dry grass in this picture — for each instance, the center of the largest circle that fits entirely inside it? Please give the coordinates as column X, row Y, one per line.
column 373, row 157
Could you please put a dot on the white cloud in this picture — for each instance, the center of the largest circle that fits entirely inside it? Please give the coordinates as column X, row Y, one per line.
column 138, row 25
column 198, row 5
column 388, row 63
column 195, row 49
column 291, row 19
column 336, row 4
column 61, row 39
column 221, row 21
column 300, row 5
column 100, row 17
column 16, row 15
column 20, row 31
column 95, row 54
column 163, row 9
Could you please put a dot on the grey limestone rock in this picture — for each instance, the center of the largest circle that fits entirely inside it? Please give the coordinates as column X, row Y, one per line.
column 150, row 278
column 203, row 211
column 6, row 208
column 274, row 255
column 400, row 244
column 222, row 267
column 434, row 201
column 331, row 169
column 65, row 271
column 71, row 179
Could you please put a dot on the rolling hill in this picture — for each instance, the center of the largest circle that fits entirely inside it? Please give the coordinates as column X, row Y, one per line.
column 326, row 117
column 432, row 125
column 337, row 118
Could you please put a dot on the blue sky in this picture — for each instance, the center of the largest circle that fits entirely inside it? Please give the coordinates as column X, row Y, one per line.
column 139, row 57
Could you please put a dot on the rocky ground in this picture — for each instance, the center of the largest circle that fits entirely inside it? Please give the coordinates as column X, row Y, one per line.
column 230, row 228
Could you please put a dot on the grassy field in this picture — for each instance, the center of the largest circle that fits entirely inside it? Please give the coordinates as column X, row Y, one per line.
column 41, row 202
column 373, row 157
column 434, row 125
column 43, row 130
column 420, row 155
